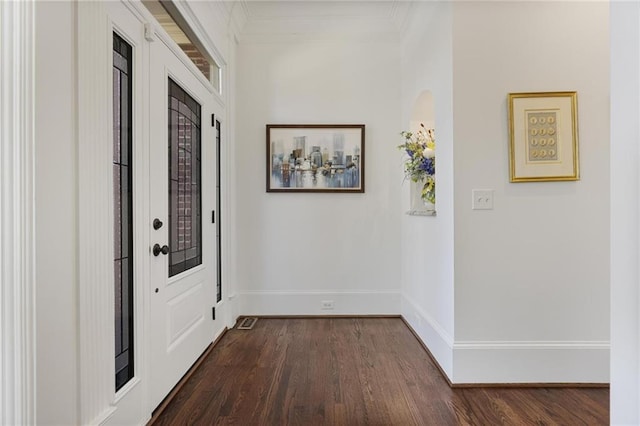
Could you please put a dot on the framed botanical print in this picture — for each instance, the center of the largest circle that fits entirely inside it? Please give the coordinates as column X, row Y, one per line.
column 543, row 137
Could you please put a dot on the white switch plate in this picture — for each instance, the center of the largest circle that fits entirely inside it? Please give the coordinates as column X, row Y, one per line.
column 482, row 199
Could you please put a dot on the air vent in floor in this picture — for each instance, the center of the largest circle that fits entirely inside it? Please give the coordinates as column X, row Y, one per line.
column 247, row 323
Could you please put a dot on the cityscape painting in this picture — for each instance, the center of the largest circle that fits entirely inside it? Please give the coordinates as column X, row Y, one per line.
column 315, row 157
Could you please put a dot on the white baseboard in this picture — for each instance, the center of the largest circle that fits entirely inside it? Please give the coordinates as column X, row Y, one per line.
column 434, row 337
column 531, row 362
column 463, row 362
column 310, row 303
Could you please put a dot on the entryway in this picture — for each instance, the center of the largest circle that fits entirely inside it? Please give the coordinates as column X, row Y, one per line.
column 163, row 149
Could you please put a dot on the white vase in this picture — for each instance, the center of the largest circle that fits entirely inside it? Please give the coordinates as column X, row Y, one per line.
column 428, row 205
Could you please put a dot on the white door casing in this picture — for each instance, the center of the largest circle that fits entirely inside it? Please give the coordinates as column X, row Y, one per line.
column 98, row 401
column 17, row 214
column 129, row 403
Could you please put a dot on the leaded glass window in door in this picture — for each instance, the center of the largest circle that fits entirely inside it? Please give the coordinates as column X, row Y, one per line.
column 185, row 191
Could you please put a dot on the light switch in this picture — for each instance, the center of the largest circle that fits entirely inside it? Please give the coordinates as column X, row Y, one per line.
column 482, row 199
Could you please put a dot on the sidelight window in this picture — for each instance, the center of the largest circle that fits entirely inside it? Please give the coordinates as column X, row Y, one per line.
column 123, row 212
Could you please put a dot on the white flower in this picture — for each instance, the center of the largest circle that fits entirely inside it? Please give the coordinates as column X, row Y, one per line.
column 428, row 153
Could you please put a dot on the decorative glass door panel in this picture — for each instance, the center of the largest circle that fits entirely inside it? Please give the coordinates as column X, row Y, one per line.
column 185, row 194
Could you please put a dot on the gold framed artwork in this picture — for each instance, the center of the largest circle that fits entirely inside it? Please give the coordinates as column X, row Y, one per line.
column 543, row 136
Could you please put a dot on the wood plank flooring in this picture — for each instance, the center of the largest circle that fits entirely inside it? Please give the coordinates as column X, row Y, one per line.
column 355, row 371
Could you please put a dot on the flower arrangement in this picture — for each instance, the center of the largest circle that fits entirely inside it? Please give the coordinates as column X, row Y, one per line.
column 421, row 164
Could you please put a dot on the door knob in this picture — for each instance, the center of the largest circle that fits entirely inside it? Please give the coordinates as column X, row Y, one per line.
column 157, row 249
column 157, row 224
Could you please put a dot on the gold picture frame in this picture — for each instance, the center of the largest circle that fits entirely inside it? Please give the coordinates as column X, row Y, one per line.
column 543, row 137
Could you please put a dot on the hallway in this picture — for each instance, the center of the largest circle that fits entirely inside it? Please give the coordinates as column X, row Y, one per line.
column 542, row 288
column 354, row 371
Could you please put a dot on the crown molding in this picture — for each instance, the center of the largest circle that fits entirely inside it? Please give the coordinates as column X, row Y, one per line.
column 319, row 37
column 239, row 15
column 401, row 13
column 315, row 20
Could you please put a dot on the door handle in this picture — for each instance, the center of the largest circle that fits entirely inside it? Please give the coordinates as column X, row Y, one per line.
column 157, row 249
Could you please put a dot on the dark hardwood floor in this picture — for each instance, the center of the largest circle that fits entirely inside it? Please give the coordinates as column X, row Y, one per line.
column 355, row 371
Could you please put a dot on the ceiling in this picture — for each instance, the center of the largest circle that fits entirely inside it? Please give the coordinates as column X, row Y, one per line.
column 328, row 18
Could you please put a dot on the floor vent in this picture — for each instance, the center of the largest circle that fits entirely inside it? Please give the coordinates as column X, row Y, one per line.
column 247, row 323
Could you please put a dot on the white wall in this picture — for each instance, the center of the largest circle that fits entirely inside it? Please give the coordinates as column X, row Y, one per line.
column 427, row 241
column 296, row 250
column 531, row 275
column 56, row 219
column 625, row 191
column 357, row 82
column 549, row 325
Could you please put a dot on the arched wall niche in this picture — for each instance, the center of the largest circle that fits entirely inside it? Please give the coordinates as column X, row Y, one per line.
column 423, row 112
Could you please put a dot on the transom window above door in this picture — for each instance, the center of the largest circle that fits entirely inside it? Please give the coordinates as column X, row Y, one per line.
column 169, row 18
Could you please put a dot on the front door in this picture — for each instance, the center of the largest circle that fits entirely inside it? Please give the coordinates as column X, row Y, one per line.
column 182, row 240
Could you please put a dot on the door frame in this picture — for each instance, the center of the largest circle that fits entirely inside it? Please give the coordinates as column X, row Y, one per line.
column 17, row 216
column 96, row 21
column 98, row 401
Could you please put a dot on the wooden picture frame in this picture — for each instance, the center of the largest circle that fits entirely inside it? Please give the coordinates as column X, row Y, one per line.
column 315, row 158
column 543, row 137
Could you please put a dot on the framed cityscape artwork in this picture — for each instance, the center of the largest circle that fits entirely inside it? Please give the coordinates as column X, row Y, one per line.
column 315, row 158
column 543, row 133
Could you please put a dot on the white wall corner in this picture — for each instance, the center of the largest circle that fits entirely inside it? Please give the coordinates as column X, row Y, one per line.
column 17, row 218
column 372, row 302
column 228, row 187
column 625, row 211
column 431, row 333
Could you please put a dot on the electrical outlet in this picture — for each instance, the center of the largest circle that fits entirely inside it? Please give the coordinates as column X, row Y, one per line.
column 326, row 305
column 482, row 199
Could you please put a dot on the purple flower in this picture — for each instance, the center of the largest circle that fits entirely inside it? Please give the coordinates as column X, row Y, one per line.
column 428, row 166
